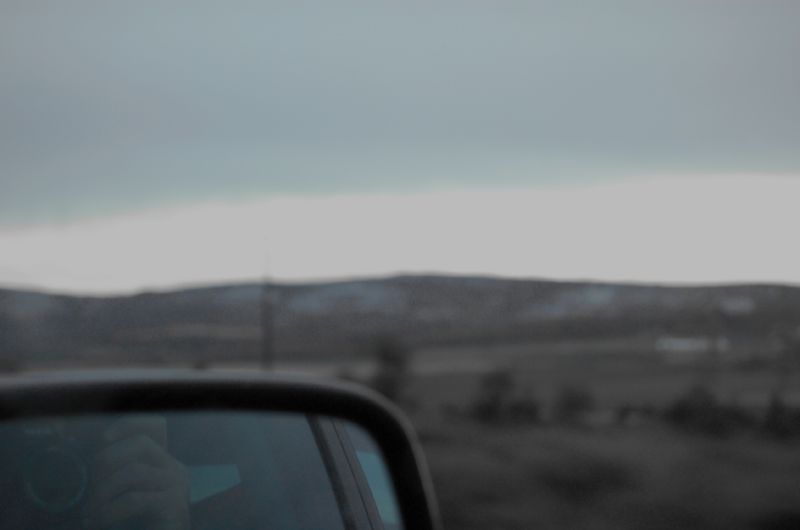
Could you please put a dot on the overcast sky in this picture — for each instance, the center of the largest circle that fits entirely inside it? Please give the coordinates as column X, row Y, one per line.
column 452, row 129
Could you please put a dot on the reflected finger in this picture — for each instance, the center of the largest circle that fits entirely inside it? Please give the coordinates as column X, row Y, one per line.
column 140, row 449
column 153, row 426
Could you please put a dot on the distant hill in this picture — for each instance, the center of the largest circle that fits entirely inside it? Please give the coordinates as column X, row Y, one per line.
column 335, row 319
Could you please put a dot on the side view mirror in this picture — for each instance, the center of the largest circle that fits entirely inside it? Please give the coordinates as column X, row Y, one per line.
column 187, row 450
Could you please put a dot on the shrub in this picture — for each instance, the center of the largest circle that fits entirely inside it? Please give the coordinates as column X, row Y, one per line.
column 781, row 420
column 572, row 404
column 494, row 394
column 496, row 400
column 698, row 410
column 524, row 411
column 393, row 368
column 624, row 413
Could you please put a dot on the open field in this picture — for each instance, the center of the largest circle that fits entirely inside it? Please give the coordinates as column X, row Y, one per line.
column 616, row 373
column 643, row 478
column 601, row 474
column 612, row 383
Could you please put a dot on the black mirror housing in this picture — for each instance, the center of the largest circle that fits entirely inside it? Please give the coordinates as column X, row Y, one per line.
column 40, row 395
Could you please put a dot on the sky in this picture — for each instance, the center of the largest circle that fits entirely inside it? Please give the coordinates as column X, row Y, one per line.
column 155, row 144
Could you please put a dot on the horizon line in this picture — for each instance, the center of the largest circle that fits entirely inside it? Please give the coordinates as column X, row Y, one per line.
column 198, row 286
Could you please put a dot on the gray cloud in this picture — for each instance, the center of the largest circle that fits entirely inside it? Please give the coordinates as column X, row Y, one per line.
column 108, row 106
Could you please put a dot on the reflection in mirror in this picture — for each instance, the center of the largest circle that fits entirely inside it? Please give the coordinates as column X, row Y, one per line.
column 199, row 470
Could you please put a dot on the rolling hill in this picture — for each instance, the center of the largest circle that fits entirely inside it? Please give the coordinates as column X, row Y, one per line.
column 336, row 319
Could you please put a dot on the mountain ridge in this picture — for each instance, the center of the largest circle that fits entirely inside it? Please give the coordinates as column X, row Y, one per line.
column 334, row 319
column 390, row 277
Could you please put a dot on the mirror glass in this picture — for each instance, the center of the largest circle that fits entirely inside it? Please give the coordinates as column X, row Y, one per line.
column 212, row 470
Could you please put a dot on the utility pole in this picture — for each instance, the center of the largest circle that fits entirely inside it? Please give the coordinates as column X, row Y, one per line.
column 267, row 310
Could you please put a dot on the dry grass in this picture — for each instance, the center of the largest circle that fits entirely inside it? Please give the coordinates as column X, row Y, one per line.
column 641, row 476
column 647, row 477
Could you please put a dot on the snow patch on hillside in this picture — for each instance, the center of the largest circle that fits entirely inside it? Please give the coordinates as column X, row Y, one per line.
column 354, row 296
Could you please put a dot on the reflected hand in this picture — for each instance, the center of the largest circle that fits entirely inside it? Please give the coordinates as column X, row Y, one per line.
column 136, row 480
